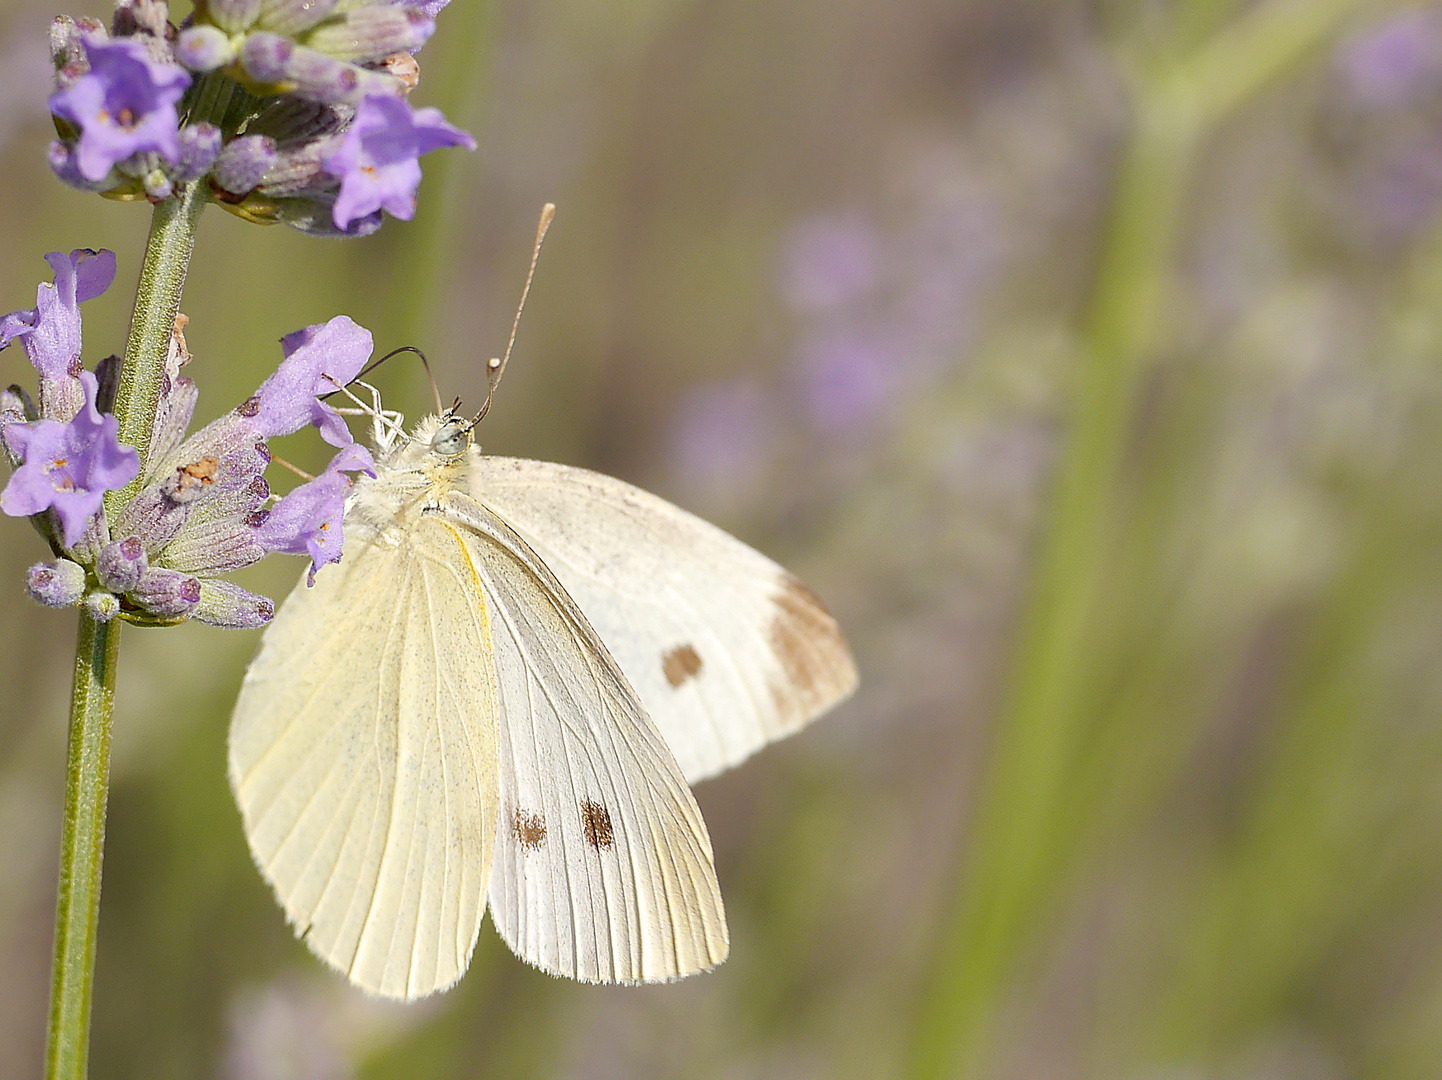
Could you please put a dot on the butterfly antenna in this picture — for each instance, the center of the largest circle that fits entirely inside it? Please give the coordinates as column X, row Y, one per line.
column 496, row 366
column 435, row 392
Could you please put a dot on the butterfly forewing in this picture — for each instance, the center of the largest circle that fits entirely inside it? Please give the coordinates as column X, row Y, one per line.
column 726, row 650
column 362, row 755
column 603, row 870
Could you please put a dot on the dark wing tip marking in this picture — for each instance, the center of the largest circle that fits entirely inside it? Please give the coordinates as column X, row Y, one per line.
column 528, row 829
column 596, row 825
column 816, row 664
column 680, row 664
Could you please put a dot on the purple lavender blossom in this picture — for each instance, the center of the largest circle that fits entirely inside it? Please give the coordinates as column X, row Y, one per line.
column 308, row 520
column 68, row 466
column 377, row 159
column 50, row 331
column 124, row 106
column 289, row 399
column 830, row 261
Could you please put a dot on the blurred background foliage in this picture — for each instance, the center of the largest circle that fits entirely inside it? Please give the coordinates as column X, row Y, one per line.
column 1084, row 356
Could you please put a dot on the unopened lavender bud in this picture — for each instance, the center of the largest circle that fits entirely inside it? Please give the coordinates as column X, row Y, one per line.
column 101, row 606
column 229, row 606
column 121, row 564
column 243, row 164
column 264, row 56
column 372, row 33
column 57, row 584
column 199, row 146
column 319, row 77
column 233, row 15
column 293, row 16
column 204, row 48
column 167, row 593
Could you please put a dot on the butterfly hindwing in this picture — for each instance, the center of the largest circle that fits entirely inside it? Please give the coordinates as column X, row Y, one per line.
column 726, row 650
column 603, row 869
column 363, row 760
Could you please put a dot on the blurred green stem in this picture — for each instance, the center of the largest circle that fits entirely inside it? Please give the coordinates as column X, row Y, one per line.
column 1022, row 840
column 77, row 902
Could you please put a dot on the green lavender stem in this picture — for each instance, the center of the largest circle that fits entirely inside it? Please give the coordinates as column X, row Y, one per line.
column 1024, row 834
column 92, row 705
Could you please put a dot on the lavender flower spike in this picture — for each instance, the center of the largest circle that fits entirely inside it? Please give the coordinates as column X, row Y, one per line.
column 377, row 160
column 308, row 520
column 287, row 401
column 68, row 466
column 124, row 106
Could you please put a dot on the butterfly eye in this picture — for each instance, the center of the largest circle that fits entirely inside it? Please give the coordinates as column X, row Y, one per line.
column 450, row 439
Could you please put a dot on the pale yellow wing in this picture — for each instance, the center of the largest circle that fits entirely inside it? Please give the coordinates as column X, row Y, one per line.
column 726, row 650
column 363, row 757
column 603, row 868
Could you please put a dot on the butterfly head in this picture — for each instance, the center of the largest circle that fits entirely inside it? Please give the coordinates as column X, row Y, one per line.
column 452, row 437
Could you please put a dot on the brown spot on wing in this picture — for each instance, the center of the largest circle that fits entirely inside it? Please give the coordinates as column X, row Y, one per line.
column 680, row 664
column 816, row 666
column 529, row 829
column 596, row 825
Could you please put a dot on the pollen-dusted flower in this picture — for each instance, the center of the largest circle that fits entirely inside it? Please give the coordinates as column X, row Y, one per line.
column 376, row 161
column 308, row 520
column 123, row 107
column 68, row 466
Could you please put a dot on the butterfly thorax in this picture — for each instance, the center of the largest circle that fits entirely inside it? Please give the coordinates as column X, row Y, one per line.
column 411, row 479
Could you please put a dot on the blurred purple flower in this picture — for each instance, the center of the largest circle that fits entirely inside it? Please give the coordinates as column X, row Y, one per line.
column 851, row 377
column 68, row 466
column 308, row 520
column 723, row 433
column 377, row 159
column 1397, row 61
column 289, row 399
column 829, row 261
column 124, row 106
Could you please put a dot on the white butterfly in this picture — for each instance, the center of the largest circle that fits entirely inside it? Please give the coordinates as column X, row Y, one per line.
column 498, row 698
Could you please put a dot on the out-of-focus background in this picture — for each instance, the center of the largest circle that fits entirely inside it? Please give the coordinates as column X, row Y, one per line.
column 1084, row 357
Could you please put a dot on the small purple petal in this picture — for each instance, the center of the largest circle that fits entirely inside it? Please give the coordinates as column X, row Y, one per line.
column 124, row 106
column 287, row 401
column 376, row 161
column 68, row 466
column 308, row 520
